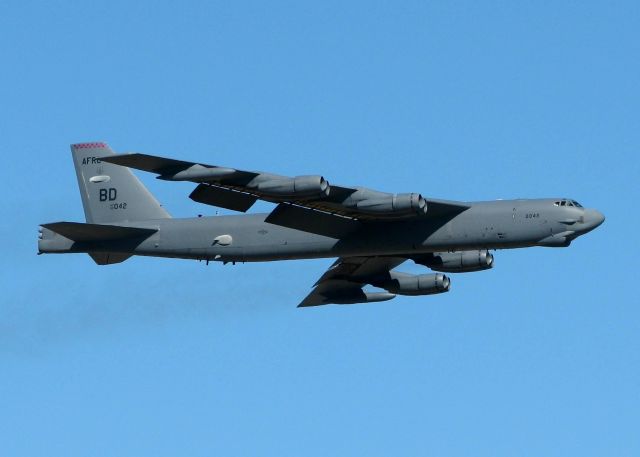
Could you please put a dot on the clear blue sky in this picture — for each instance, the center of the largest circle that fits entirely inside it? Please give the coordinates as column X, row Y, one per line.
column 460, row 100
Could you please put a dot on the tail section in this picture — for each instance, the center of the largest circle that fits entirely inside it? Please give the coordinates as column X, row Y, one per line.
column 77, row 231
column 106, row 244
column 111, row 193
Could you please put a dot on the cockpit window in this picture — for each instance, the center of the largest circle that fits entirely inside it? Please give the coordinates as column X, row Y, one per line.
column 567, row 203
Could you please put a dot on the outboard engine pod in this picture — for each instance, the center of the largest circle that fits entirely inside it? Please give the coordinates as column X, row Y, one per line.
column 408, row 284
column 298, row 187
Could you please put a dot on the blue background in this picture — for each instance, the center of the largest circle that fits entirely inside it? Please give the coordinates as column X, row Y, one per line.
column 458, row 100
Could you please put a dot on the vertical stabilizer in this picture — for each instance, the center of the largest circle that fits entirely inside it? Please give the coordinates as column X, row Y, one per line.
column 111, row 193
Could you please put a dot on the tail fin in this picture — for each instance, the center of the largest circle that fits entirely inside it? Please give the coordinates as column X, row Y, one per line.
column 111, row 193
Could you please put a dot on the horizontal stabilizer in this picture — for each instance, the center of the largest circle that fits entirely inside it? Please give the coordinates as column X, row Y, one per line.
column 77, row 231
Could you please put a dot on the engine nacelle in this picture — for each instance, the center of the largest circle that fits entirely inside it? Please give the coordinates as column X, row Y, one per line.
column 380, row 204
column 298, row 187
column 458, row 262
column 408, row 284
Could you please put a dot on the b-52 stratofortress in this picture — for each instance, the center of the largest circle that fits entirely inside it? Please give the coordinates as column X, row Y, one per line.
column 370, row 232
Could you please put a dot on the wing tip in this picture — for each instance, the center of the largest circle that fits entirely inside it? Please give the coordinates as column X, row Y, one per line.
column 307, row 303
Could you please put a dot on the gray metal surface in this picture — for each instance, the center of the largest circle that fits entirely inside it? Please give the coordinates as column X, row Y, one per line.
column 111, row 193
column 361, row 226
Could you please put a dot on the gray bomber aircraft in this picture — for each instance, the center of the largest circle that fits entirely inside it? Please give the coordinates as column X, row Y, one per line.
column 370, row 232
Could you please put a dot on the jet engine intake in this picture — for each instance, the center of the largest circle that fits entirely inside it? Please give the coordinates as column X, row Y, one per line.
column 408, row 284
column 458, row 262
column 307, row 187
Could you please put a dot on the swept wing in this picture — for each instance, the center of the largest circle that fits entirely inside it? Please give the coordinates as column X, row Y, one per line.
column 239, row 189
column 342, row 283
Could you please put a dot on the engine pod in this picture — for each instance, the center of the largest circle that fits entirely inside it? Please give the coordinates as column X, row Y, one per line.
column 387, row 205
column 302, row 187
column 408, row 284
column 457, row 262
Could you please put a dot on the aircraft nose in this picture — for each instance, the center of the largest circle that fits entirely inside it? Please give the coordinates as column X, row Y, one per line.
column 593, row 218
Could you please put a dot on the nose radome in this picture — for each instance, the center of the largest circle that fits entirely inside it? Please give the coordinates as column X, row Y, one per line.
column 599, row 217
column 594, row 218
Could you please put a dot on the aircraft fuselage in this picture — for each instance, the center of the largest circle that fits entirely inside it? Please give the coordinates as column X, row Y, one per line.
column 502, row 224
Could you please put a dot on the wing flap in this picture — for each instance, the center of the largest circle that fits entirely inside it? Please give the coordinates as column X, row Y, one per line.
column 312, row 221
